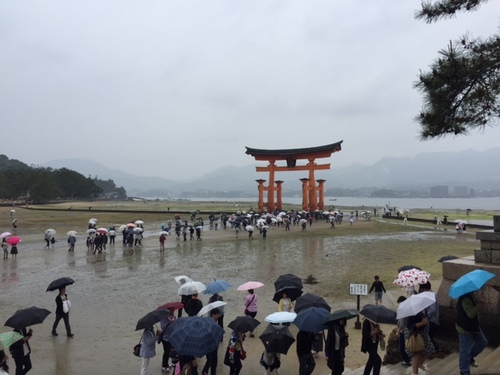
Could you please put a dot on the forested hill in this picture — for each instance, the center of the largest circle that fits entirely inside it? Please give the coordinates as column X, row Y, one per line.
column 20, row 181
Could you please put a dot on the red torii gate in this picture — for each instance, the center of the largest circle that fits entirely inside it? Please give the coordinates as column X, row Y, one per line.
column 310, row 201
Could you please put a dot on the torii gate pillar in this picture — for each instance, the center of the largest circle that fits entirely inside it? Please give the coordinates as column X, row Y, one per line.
column 305, row 194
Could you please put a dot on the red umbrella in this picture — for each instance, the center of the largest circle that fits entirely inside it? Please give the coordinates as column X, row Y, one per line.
column 171, row 306
column 13, row 240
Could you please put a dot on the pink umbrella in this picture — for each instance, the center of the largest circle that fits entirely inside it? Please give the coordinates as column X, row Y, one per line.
column 411, row 278
column 102, row 230
column 5, row 234
column 13, row 240
column 250, row 285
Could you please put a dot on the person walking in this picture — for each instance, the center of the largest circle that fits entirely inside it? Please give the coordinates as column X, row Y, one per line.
column 419, row 323
column 62, row 312
column 21, row 351
column 433, row 313
column 400, row 335
column 212, row 357
column 271, row 362
column 162, row 240
column 47, row 238
column 220, row 319
column 304, row 347
column 470, row 336
column 235, row 353
column 5, row 248
column 371, row 335
column 162, row 337
column 193, row 305
column 13, row 251
column 71, row 242
column 336, row 342
column 251, row 305
column 379, row 289
column 3, row 363
column 148, row 349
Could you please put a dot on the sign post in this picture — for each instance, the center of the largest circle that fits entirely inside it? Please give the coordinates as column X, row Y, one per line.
column 358, row 290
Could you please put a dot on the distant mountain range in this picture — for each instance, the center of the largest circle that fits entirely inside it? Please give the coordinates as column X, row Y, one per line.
column 469, row 168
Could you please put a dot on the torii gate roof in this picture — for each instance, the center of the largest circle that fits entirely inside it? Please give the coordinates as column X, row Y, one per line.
column 295, row 153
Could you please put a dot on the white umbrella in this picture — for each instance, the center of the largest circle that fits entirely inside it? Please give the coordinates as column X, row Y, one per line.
column 281, row 317
column 211, row 306
column 139, row 222
column 138, row 230
column 302, row 221
column 191, row 287
column 249, row 228
column 415, row 303
column 122, row 228
column 92, row 221
column 164, row 232
column 72, row 233
column 51, row 231
column 182, row 279
column 90, row 231
column 5, row 234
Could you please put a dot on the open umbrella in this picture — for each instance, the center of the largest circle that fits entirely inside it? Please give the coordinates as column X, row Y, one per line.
column 288, row 281
column 151, row 318
column 191, row 287
column 27, row 317
column 90, row 231
column 13, row 240
column 51, row 231
column 408, row 267
column 182, row 279
column 415, row 303
column 92, row 220
column 310, row 300
column 9, row 338
column 281, row 317
column 311, row 319
column 102, row 230
column 122, row 227
column 131, row 225
column 250, row 285
column 165, row 233
column 210, row 306
column 292, row 293
column 378, row 314
column 138, row 230
column 217, row 286
column 60, row 283
column 171, row 306
column 72, row 233
column 277, row 339
column 139, row 222
column 411, row 278
column 470, row 282
column 243, row 324
column 5, row 234
column 341, row 314
column 446, row 258
column 195, row 336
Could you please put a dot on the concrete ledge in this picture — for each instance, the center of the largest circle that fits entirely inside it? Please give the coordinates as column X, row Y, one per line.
column 488, row 235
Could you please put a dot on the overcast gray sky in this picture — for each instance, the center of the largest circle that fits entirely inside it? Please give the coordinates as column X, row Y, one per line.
column 179, row 88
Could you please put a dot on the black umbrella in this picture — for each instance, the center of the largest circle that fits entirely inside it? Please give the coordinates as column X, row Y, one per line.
column 378, row 314
column 310, row 300
column 288, row 281
column 60, row 283
column 277, row 339
column 27, row 317
column 311, row 319
column 341, row 314
column 292, row 293
column 408, row 267
column 243, row 324
column 447, row 257
column 151, row 318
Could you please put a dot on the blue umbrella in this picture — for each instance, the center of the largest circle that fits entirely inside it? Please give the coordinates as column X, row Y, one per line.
column 311, row 319
column 195, row 336
column 217, row 286
column 470, row 282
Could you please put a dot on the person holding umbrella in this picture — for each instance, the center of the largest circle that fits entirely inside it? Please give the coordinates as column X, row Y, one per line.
column 21, row 351
column 3, row 363
column 211, row 363
column 336, row 342
column 304, row 347
column 250, row 301
column 471, row 339
column 62, row 312
column 419, row 323
column 147, row 351
column 162, row 337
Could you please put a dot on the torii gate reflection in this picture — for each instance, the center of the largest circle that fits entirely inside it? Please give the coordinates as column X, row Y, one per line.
column 312, row 194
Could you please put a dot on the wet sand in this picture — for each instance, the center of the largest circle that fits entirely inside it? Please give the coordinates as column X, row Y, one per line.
column 114, row 289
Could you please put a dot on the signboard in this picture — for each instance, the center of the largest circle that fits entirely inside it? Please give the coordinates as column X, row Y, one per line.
column 359, row 289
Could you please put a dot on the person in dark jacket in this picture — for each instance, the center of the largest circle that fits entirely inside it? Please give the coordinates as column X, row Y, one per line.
column 61, row 314
column 304, row 347
column 21, row 351
column 336, row 342
column 193, row 306
column 471, row 339
column 371, row 335
column 379, row 289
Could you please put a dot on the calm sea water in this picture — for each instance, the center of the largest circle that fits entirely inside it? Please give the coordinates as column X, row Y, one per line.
column 379, row 203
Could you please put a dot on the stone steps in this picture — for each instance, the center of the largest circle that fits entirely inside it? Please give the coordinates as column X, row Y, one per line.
column 488, row 360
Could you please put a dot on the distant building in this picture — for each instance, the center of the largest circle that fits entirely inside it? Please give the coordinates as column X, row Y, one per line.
column 460, row 191
column 439, row 191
